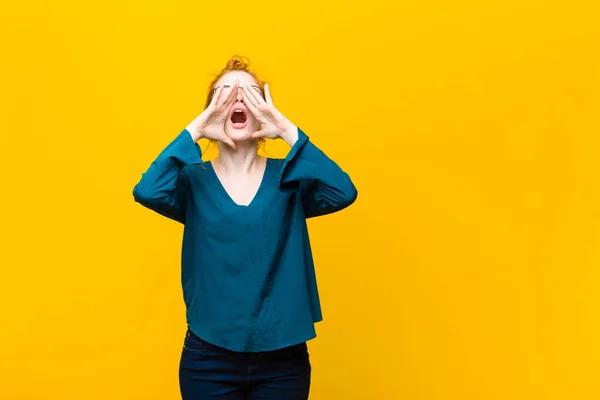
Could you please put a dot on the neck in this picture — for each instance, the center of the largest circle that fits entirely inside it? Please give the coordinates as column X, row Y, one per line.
column 241, row 160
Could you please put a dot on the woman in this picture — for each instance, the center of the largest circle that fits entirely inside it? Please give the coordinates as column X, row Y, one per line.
column 247, row 271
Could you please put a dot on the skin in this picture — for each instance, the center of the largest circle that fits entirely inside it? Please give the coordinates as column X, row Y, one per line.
column 239, row 168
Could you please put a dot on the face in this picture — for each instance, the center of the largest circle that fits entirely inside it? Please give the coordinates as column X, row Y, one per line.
column 241, row 123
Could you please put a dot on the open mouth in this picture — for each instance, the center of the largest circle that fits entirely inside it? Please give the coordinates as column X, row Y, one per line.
column 238, row 117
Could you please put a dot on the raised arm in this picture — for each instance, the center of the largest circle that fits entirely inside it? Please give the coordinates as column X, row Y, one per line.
column 325, row 188
column 163, row 188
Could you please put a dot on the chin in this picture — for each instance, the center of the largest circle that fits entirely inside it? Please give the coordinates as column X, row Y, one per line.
column 240, row 135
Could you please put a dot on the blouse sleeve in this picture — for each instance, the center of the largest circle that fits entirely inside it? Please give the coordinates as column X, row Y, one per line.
column 324, row 187
column 163, row 187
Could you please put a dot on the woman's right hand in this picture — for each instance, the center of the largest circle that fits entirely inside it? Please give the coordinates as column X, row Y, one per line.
column 210, row 124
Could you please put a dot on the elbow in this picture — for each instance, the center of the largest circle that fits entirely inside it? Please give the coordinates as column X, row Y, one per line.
column 141, row 195
column 354, row 195
column 331, row 199
column 348, row 194
column 138, row 194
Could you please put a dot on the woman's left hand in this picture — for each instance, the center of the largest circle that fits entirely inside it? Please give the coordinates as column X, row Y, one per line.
column 273, row 124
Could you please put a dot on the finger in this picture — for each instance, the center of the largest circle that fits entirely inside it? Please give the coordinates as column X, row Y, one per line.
column 257, row 97
column 227, row 98
column 217, row 95
column 230, row 101
column 250, row 103
column 257, row 135
column 253, row 100
column 268, row 94
column 231, row 94
column 248, row 96
column 225, row 107
column 234, row 94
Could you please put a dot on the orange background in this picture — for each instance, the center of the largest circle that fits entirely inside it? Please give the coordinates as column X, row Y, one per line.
column 467, row 269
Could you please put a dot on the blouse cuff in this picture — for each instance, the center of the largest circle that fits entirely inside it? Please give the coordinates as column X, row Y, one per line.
column 294, row 153
column 182, row 150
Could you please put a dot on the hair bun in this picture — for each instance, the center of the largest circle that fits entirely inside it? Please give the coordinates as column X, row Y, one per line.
column 238, row 63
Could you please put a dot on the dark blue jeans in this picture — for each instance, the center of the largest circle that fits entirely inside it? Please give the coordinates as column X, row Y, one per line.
column 208, row 372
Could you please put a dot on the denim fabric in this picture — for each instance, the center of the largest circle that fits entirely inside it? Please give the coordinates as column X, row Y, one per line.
column 209, row 372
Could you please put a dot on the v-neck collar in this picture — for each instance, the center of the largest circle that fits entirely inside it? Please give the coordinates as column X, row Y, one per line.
column 225, row 193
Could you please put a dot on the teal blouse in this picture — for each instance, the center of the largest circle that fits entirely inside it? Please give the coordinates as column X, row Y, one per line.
column 247, row 272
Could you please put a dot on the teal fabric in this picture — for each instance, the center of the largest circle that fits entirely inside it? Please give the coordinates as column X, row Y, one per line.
column 247, row 272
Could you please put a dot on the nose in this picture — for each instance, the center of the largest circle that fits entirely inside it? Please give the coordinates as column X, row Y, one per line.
column 239, row 96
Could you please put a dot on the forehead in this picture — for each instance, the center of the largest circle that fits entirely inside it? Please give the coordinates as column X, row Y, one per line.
column 230, row 77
